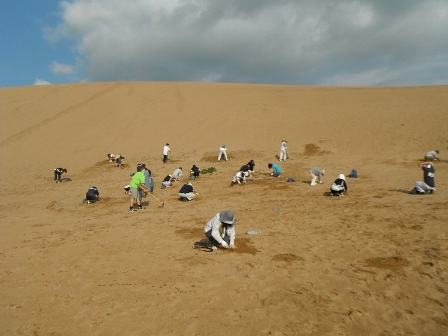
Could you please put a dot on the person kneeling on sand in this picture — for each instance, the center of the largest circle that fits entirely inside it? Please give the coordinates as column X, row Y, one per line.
column 421, row 188
column 432, row 155
column 187, row 192
column 178, row 174
column 92, row 195
column 239, row 178
column 339, row 186
column 194, row 172
column 276, row 171
column 167, row 182
column 224, row 221
column 316, row 173
column 111, row 157
column 138, row 181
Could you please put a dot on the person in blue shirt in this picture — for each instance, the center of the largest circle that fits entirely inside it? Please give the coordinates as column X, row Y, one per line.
column 276, row 171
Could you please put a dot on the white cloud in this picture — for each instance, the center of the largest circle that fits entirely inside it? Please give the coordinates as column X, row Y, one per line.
column 39, row 81
column 350, row 42
column 61, row 69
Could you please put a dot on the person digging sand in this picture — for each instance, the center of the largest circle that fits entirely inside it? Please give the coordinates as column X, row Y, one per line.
column 224, row 221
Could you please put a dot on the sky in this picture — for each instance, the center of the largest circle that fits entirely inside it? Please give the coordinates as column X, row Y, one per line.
column 292, row 42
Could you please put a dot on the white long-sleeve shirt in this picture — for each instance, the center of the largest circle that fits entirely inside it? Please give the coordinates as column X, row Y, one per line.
column 215, row 224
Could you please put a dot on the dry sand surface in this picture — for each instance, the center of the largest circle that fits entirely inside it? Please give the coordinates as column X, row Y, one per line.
column 373, row 262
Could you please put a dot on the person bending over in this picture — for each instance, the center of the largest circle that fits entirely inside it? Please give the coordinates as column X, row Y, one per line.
column 224, row 221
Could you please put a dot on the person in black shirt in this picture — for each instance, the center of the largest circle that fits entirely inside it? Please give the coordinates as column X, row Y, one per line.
column 92, row 195
column 195, row 171
column 187, row 192
column 428, row 175
column 57, row 174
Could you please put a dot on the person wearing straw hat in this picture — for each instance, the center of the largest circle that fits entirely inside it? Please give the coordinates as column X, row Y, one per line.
column 224, row 222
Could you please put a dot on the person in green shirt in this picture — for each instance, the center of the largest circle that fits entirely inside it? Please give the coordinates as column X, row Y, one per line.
column 138, row 180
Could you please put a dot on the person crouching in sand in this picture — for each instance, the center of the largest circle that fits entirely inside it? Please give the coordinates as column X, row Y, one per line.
column 339, row 186
column 224, row 221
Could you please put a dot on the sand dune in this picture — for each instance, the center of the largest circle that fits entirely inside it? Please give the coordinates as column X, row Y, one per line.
column 371, row 263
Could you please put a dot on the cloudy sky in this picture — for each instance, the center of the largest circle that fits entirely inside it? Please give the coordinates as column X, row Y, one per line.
column 315, row 42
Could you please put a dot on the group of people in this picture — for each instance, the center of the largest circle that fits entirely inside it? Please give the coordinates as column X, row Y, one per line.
column 220, row 230
column 245, row 171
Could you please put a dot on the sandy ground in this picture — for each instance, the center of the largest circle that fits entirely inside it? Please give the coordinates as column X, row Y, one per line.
column 373, row 262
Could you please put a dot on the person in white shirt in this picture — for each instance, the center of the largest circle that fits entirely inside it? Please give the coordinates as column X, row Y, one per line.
column 283, row 151
column 224, row 221
column 166, row 150
column 178, row 174
column 222, row 151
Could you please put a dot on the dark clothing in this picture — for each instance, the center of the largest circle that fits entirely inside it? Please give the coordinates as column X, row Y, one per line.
column 57, row 173
column 165, row 158
column 167, row 179
column 92, row 195
column 428, row 175
column 195, row 171
column 251, row 165
column 245, row 168
column 186, row 188
column 213, row 241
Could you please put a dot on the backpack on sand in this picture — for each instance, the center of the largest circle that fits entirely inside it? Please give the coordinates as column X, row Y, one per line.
column 354, row 174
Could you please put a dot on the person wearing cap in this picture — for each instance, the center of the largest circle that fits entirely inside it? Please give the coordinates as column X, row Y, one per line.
column 276, row 171
column 92, row 195
column 222, row 152
column 432, row 155
column 339, row 186
column 224, row 221
column 178, row 174
column 187, row 192
column 138, row 181
column 251, row 165
column 166, row 150
column 167, row 182
column 428, row 173
column 283, row 151
column 57, row 174
column 111, row 157
column 316, row 174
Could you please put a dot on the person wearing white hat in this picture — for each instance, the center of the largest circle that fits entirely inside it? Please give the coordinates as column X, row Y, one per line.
column 224, row 221
column 339, row 186
column 223, row 152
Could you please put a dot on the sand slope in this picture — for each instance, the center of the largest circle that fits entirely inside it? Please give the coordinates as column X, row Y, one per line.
column 373, row 262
